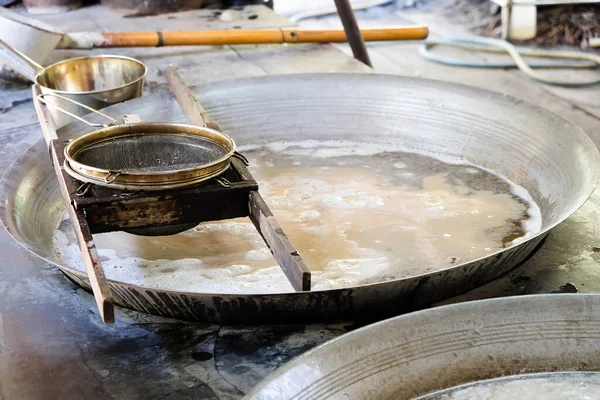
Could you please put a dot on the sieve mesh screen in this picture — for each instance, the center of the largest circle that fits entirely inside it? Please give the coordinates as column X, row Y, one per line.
column 150, row 153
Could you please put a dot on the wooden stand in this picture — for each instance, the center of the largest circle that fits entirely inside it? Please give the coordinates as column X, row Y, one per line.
column 233, row 194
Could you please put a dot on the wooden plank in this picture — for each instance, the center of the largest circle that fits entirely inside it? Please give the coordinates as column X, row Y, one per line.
column 277, row 241
column 104, row 197
column 169, row 211
column 108, row 210
column 48, row 127
column 187, row 100
column 237, row 175
column 91, row 260
column 282, row 249
column 185, row 206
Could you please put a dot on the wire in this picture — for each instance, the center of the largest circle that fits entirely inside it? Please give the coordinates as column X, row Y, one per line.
column 582, row 60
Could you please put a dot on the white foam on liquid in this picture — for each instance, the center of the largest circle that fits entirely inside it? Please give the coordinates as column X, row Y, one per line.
column 239, row 278
column 339, row 148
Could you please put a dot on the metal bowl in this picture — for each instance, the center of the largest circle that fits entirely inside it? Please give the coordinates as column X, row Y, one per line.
column 97, row 82
column 105, row 77
column 427, row 351
column 547, row 155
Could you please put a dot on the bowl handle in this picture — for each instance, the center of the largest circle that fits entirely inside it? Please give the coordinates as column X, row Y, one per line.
column 62, row 110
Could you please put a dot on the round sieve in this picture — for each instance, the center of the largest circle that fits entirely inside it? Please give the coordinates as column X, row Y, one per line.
column 148, row 156
column 144, row 155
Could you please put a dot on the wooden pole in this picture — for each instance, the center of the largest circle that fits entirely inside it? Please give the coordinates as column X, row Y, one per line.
column 187, row 100
column 355, row 39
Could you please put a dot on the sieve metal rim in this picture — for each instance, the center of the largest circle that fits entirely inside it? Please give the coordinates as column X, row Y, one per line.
column 146, row 186
column 142, row 178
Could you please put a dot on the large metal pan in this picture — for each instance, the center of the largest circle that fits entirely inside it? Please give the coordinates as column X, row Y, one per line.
column 424, row 352
column 96, row 81
column 550, row 157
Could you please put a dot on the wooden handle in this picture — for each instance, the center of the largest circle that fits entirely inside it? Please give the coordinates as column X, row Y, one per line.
column 187, row 100
column 282, row 249
column 234, row 36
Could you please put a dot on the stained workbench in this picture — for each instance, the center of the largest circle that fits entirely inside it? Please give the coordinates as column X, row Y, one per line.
column 52, row 343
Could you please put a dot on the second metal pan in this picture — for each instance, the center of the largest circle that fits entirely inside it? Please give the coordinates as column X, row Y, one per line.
column 536, row 347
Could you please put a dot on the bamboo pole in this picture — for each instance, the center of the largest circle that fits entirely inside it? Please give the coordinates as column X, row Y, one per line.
column 86, row 40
